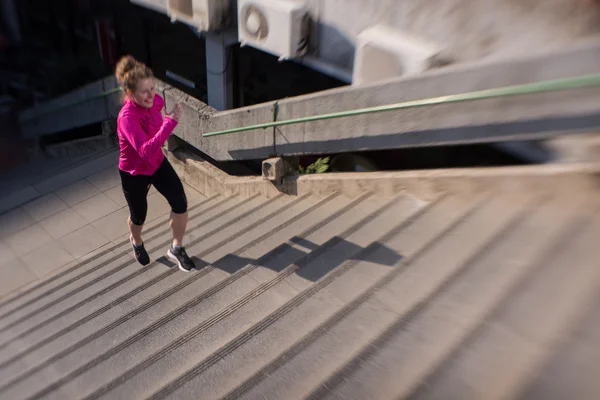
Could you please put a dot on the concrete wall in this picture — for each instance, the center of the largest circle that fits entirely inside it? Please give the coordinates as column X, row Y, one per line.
column 424, row 184
column 504, row 119
column 467, row 29
column 523, row 117
column 210, row 180
column 59, row 114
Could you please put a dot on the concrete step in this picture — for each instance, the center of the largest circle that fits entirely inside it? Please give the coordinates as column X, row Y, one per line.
column 213, row 300
column 90, row 307
column 261, row 222
column 416, row 344
column 221, row 229
column 472, row 294
column 84, row 299
column 308, row 309
column 276, row 281
column 572, row 370
column 111, row 263
column 501, row 355
column 70, row 275
column 360, row 317
column 406, row 241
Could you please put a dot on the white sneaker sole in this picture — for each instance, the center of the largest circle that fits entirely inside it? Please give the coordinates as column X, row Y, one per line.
column 173, row 258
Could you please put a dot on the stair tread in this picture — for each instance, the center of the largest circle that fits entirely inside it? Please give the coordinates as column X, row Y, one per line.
column 76, row 275
column 508, row 349
column 262, row 346
column 117, row 262
column 210, row 245
column 414, row 346
column 572, row 371
column 319, row 297
column 210, row 306
column 164, row 278
column 368, row 318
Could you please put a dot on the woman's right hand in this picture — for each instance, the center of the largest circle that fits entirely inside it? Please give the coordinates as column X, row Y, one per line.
column 176, row 112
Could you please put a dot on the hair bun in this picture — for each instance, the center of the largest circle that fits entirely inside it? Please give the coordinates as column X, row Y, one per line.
column 125, row 64
column 130, row 72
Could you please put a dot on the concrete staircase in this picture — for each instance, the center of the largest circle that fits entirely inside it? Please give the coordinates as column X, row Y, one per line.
column 376, row 296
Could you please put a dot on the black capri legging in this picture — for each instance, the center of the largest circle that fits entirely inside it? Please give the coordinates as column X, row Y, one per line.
column 165, row 180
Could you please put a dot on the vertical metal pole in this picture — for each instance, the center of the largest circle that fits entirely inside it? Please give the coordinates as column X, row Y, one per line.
column 219, row 79
column 275, row 112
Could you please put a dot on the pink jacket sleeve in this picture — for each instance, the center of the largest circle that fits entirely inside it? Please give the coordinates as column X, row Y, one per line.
column 146, row 148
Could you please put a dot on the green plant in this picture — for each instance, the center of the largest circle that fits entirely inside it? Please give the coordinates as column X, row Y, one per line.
column 318, row 167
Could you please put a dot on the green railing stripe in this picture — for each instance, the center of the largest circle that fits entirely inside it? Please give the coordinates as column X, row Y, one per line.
column 530, row 88
column 515, row 90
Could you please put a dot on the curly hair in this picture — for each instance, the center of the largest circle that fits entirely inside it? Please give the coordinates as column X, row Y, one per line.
column 130, row 72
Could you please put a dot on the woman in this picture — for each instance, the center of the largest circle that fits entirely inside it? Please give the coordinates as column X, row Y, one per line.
column 142, row 131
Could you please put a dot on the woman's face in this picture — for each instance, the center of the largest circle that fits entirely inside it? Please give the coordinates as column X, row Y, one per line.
column 144, row 93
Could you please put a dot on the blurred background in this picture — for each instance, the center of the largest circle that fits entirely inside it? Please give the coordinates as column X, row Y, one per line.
column 389, row 199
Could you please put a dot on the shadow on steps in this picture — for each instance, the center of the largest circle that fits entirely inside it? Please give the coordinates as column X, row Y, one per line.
column 323, row 259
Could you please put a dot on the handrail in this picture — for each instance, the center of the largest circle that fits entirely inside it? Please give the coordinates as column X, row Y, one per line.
column 514, row 90
column 529, row 88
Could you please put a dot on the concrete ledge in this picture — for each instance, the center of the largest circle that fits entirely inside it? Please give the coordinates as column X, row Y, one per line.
column 571, row 179
column 210, row 181
column 584, row 148
column 81, row 147
column 525, row 117
column 424, row 184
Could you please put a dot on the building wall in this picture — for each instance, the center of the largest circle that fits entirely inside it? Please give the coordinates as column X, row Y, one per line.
column 467, row 29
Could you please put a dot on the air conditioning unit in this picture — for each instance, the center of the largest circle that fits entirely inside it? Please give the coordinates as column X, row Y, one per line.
column 383, row 53
column 205, row 15
column 279, row 27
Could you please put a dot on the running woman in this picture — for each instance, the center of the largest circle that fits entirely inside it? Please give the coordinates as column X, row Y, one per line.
column 142, row 131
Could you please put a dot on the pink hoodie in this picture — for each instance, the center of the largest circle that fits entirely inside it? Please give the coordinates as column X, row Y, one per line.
column 142, row 132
